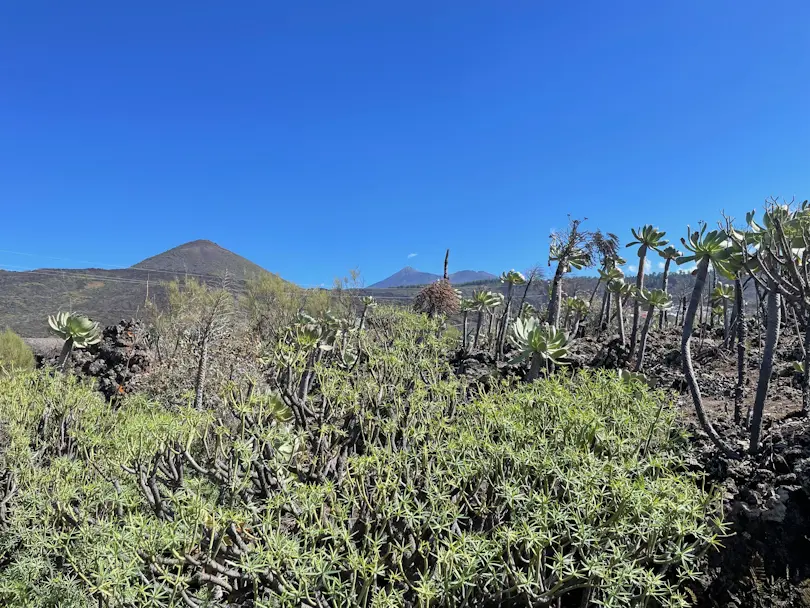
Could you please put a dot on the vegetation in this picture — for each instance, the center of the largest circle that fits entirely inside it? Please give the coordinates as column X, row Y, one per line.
column 15, row 354
column 297, row 447
column 540, row 492
column 76, row 330
column 572, row 248
column 541, row 344
column 647, row 238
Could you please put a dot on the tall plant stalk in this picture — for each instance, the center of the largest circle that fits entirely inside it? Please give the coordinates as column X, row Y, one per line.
column 739, row 304
column 766, row 367
column 686, row 359
column 645, row 331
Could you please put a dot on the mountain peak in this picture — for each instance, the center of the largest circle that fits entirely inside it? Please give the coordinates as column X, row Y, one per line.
column 201, row 257
column 198, row 243
column 409, row 277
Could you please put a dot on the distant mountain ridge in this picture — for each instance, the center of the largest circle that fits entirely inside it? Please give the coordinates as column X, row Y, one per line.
column 108, row 295
column 409, row 277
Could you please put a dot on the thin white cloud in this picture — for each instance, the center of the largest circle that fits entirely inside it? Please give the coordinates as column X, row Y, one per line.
column 647, row 265
column 661, row 265
column 412, row 255
column 632, row 268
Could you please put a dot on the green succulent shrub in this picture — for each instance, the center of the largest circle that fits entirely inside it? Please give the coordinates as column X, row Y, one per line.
column 15, row 354
column 540, row 343
column 386, row 486
column 76, row 330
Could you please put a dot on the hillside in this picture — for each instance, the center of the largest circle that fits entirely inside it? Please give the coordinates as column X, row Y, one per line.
column 201, row 257
column 409, row 277
column 107, row 296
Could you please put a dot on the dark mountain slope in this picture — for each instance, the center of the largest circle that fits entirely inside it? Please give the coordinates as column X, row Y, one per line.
column 409, row 277
column 107, row 296
column 202, row 257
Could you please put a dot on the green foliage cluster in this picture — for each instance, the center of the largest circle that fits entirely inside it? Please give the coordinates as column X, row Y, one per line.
column 373, row 484
column 15, row 354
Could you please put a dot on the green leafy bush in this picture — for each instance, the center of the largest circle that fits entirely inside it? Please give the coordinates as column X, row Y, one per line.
column 15, row 354
column 379, row 485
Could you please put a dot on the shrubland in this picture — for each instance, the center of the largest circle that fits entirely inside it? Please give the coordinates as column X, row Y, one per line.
column 15, row 354
column 355, row 469
column 309, row 448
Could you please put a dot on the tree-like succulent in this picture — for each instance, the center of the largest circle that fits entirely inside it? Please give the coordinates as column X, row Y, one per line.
column 572, row 248
column 316, row 333
column 527, row 310
column 721, row 298
column 77, row 331
column 576, row 309
column 656, row 299
column 703, row 248
column 606, row 275
column 484, row 302
column 670, row 254
column 540, row 343
column 647, row 237
column 368, row 303
column 511, row 279
column 467, row 306
column 620, row 290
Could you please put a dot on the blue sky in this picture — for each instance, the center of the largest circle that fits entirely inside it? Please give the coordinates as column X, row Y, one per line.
column 313, row 137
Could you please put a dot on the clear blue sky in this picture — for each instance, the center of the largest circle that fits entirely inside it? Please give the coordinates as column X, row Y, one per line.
column 313, row 137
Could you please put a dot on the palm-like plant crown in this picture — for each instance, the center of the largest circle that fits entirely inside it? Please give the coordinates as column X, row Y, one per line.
column 609, row 274
column 670, row 253
column 657, row 298
column 486, row 300
column 578, row 259
column 577, row 305
column 702, row 245
column 647, row 237
column 542, row 340
column 513, row 277
column 311, row 332
column 527, row 310
column 78, row 328
column 618, row 286
column 722, row 294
